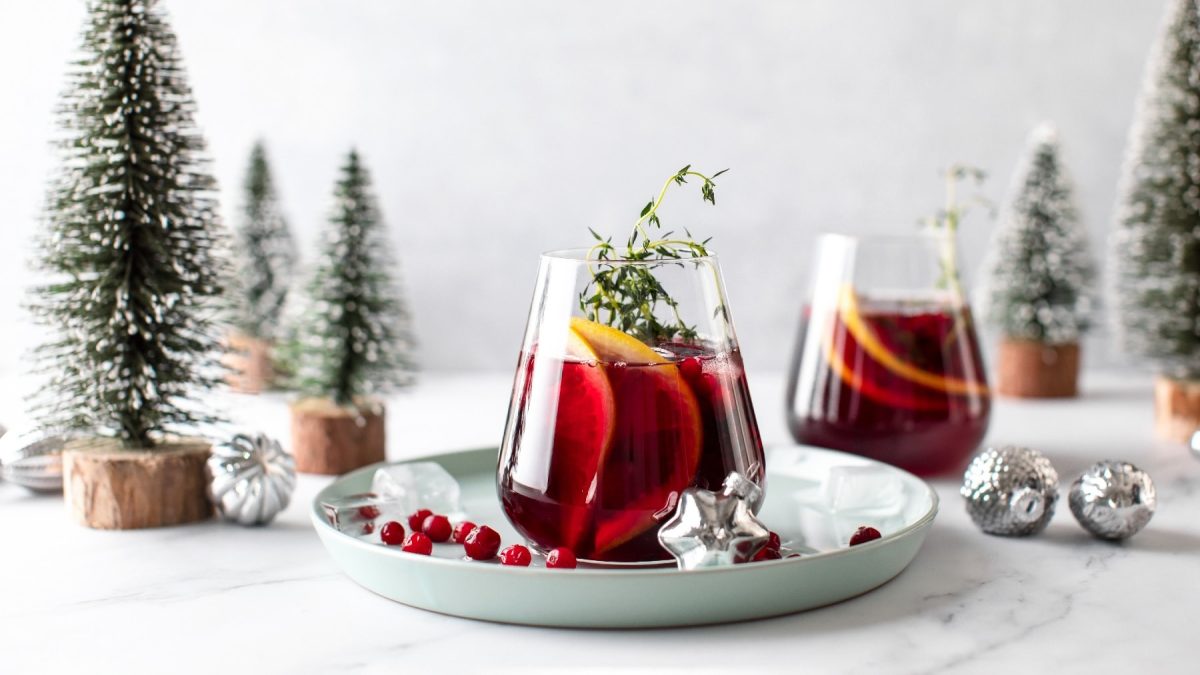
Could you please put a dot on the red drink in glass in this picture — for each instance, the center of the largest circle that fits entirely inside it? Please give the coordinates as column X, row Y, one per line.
column 599, row 449
column 896, row 380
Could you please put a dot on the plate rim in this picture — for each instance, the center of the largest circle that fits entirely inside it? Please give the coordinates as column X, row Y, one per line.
column 324, row 528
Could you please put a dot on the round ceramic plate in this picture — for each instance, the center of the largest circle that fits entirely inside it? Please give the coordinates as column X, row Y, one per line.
column 815, row 500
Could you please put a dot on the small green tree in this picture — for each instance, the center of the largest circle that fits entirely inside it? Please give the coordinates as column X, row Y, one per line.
column 264, row 254
column 1155, row 249
column 131, row 241
column 354, row 338
column 1039, row 271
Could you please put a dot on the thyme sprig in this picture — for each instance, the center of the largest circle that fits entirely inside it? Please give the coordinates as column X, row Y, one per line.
column 947, row 220
column 627, row 296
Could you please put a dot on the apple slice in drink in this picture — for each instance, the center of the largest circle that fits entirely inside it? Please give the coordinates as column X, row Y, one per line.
column 657, row 437
column 583, row 431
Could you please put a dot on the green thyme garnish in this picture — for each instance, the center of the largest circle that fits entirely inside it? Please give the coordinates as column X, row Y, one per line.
column 627, row 296
column 946, row 222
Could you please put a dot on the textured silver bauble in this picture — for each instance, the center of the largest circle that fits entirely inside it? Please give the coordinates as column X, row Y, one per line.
column 1010, row 491
column 1113, row 500
column 32, row 458
column 251, row 478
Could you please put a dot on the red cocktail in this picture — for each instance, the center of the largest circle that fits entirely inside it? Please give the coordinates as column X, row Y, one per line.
column 896, row 380
column 604, row 437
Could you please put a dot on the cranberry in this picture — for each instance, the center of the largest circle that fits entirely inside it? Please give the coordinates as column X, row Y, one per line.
column 516, row 555
column 561, row 559
column 392, row 533
column 765, row 553
column 462, row 530
column 368, row 512
column 691, row 368
column 773, row 542
column 482, row 543
column 418, row 543
column 437, row 527
column 864, row 534
column 368, row 527
column 416, row 520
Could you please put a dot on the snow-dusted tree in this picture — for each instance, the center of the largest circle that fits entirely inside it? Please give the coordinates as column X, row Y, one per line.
column 132, row 238
column 355, row 338
column 1040, row 272
column 264, row 254
column 1155, row 247
column 352, row 341
column 1038, row 287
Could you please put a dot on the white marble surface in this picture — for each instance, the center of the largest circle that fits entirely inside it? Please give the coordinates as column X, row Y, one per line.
column 219, row 598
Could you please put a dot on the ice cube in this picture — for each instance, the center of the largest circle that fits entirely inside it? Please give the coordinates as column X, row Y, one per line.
column 863, row 495
column 361, row 514
column 419, row 485
column 867, row 490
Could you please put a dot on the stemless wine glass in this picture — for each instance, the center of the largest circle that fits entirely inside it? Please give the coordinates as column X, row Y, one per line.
column 887, row 363
column 614, row 413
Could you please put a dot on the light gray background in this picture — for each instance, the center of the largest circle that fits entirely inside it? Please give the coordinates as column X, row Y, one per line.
column 496, row 130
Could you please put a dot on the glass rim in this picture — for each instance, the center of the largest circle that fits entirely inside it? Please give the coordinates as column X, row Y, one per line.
column 580, row 255
column 923, row 234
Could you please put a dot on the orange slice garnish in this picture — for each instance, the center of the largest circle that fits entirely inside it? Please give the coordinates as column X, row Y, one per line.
column 874, row 347
column 857, row 382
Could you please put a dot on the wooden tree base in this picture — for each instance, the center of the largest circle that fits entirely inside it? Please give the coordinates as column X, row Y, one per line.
column 251, row 366
column 329, row 439
column 1176, row 409
column 110, row 488
column 1028, row 369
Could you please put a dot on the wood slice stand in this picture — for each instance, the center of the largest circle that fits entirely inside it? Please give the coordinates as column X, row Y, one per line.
column 108, row 487
column 330, row 439
column 1028, row 369
column 1176, row 409
column 250, row 362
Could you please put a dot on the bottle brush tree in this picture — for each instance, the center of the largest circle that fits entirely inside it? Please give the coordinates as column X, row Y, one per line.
column 354, row 337
column 1155, row 254
column 130, row 256
column 1037, row 293
column 265, row 257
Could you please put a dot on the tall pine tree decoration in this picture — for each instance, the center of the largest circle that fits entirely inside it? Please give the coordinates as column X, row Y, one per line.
column 1038, row 288
column 265, row 258
column 131, row 257
column 354, row 339
column 1156, row 246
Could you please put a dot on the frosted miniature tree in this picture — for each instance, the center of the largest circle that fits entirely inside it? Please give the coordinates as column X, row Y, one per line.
column 1039, row 273
column 265, row 254
column 1156, row 247
column 131, row 241
column 354, row 339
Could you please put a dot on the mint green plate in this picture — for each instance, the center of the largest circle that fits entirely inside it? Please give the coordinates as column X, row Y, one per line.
column 807, row 492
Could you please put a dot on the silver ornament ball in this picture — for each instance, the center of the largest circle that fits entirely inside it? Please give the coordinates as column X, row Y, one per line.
column 1113, row 500
column 1010, row 491
column 251, row 478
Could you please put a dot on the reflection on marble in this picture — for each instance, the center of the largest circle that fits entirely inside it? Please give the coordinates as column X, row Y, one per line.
column 207, row 597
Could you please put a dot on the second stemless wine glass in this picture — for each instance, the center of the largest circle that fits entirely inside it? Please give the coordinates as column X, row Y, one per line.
column 887, row 363
column 612, row 416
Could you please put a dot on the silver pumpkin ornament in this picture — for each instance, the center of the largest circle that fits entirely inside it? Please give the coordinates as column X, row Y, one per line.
column 251, row 479
column 1010, row 491
column 32, row 458
column 1113, row 500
